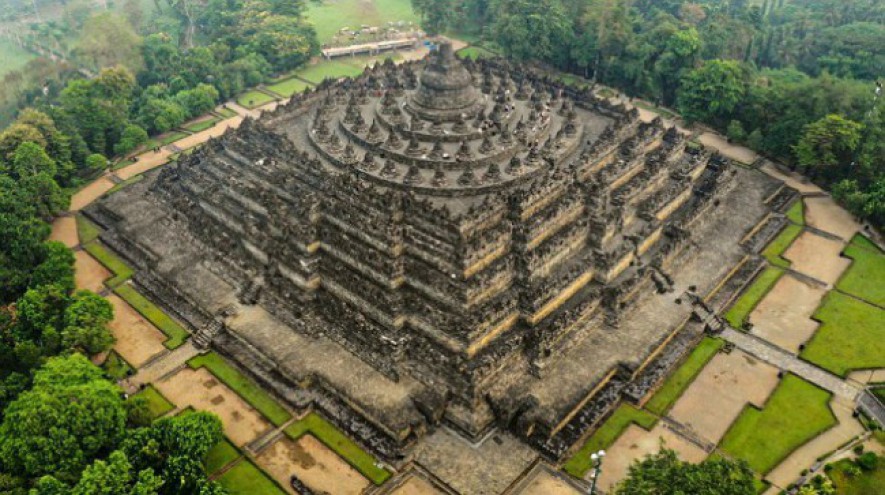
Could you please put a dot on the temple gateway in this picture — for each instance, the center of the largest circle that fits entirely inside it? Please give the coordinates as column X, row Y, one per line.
column 470, row 245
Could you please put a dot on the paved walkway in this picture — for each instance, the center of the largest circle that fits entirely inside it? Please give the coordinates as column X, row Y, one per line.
column 784, row 360
column 160, row 367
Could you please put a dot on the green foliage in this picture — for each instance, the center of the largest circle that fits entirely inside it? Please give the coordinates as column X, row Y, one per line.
column 247, row 478
column 713, row 91
column 85, row 323
column 57, row 267
column 665, row 474
column 527, row 29
column 826, row 145
column 774, row 251
column 219, row 456
column 132, row 137
column 739, row 312
column 851, row 480
column 157, row 404
column 605, row 435
column 736, row 132
column 436, row 15
column 868, row 461
column 96, row 163
column 99, row 107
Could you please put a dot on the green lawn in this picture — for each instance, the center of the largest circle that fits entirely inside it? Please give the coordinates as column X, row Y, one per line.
column 796, row 412
column 779, row 245
column 651, row 108
column 625, row 415
column 851, row 335
column 126, row 183
column 202, row 125
column 116, row 367
column 288, row 87
column 122, row 163
column 475, row 52
column 157, row 404
column 14, row 57
column 796, row 213
column 86, row 230
column 243, row 386
column 175, row 334
column 573, row 80
column 252, row 99
column 222, row 454
column 121, row 270
column 247, row 479
column 741, row 309
column 865, row 278
column 164, row 139
column 333, row 69
column 227, row 113
column 326, row 432
column 867, row 483
column 329, row 17
column 680, row 379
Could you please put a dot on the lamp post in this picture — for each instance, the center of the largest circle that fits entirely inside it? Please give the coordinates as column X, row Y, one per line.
column 596, row 457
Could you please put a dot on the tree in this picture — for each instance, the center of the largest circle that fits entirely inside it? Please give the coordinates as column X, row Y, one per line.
column 713, row 91
column 826, row 147
column 735, row 131
column 109, row 40
column 99, row 108
column 30, row 159
column 198, row 100
column 133, row 136
column 85, row 323
column 96, row 162
column 533, row 29
column 664, row 474
column 435, row 14
column 71, row 414
column 57, row 268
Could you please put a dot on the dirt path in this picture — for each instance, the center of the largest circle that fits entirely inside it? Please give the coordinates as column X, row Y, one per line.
column 64, row 230
column 90, row 193
column 314, row 464
column 545, row 483
column 823, row 213
column 784, row 315
column 817, row 257
column 137, row 340
column 88, row 273
column 416, row 486
column 729, row 150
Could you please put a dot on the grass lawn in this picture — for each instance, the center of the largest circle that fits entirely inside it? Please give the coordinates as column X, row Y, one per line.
column 14, row 57
column 252, row 99
column 606, row 93
column 651, row 108
column 164, row 139
column 776, row 248
column 851, row 335
column 157, row 404
column 475, row 52
column 676, row 383
column 202, row 125
column 121, row 270
column 247, row 479
column 122, row 163
column 175, row 333
column 625, row 415
column 86, row 230
column 796, row 213
column 243, row 386
column 333, row 69
column 116, row 367
column 865, row 278
column 796, row 412
column 222, row 454
column 326, row 432
column 125, row 183
column 741, row 309
column 866, row 483
column 329, row 17
column 227, row 113
column 288, row 87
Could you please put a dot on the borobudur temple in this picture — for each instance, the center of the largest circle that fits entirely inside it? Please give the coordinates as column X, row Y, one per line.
column 470, row 244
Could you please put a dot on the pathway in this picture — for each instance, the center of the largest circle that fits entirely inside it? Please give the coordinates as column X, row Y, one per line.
column 161, row 366
column 784, row 360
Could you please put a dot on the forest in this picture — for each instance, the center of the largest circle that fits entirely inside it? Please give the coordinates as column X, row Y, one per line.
column 795, row 80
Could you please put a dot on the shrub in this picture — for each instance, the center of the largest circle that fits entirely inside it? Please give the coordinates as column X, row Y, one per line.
column 736, row 131
column 868, row 461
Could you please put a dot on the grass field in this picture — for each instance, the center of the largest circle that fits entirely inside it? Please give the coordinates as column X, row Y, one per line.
column 475, row 52
column 333, row 69
column 288, row 87
column 164, row 139
column 625, row 415
column 175, row 333
column 679, row 380
column 157, row 404
column 227, row 113
column 329, row 16
column 651, row 108
column 865, row 278
column 796, row 213
column 326, row 432
column 796, row 412
column 222, row 454
column 866, row 483
column 851, row 335
column 247, row 479
column 202, row 125
column 86, row 230
column 121, row 270
column 248, row 390
column 741, row 309
column 14, row 57
column 776, row 248
column 252, row 99
column 116, row 367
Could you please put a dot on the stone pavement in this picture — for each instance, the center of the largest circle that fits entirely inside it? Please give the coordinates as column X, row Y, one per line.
column 784, row 360
column 160, row 367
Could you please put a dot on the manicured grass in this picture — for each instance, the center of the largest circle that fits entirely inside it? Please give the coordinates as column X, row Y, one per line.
column 122, row 163
column 475, row 52
column 164, row 139
column 227, row 113
column 741, row 309
column 247, row 479
column 333, row 69
column 126, row 183
column 326, row 432
column 288, row 87
column 651, row 108
column 252, row 99
column 121, row 270
column 116, row 367
column 776, row 248
column 202, row 125
column 796, row 412
column 243, row 386
column 222, row 454
column 866, row 483
column 865, row 278
column 625, row 415
column 329, row 17
column 86, row 230
column 157, row 404
column 851, row 335
column 796, row 213
column 175, row 334
column 677, row 382
column 14, row 57
column 606, row 93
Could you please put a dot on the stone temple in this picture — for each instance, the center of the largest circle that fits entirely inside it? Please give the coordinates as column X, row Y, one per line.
column 470, row 244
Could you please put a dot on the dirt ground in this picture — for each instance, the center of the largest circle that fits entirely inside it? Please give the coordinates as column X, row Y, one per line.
column 797, row 182
column 545, row 483
column 314, row 464
column 636, row 443
column 137, row 339
column 90, row 193
column 823, row 213
column 817, row 257
column 89, row 273
column 64, row 230
column 729, row 150
column 784, row 315
column 719, row 393
column 416, row 485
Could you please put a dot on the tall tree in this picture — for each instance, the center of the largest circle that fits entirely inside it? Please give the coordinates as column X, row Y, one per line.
column 665, row 474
